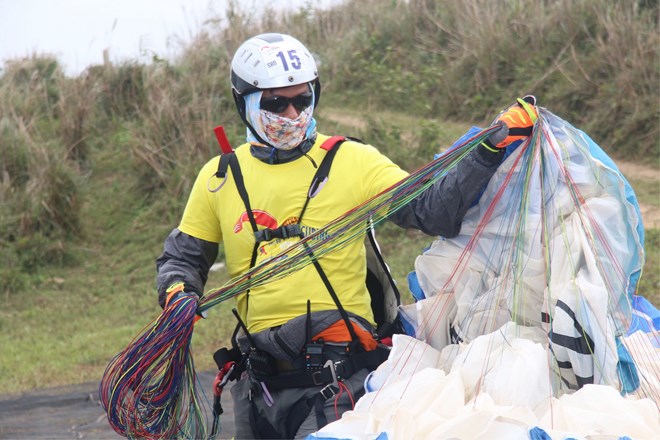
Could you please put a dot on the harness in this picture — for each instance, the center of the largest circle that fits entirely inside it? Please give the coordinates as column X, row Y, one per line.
column 231, row 362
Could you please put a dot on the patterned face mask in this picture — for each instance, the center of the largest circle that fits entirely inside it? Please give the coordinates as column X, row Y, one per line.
column 280, row 132
column 284, row 133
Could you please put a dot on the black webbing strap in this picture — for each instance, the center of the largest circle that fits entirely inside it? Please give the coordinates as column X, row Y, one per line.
column 240, row 186
column 223, row 164
column 520, row 131
column 319, row 404
column 354, row 338
column 343, row 370
column 231, row 160
column 323, row 172
column 287, row 231
column 381, row 261
column 331, row 145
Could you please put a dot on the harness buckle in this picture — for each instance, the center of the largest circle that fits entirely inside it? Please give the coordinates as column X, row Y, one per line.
column 264, row 235
column 292, row 230
column 318, row 380
column 328, row 391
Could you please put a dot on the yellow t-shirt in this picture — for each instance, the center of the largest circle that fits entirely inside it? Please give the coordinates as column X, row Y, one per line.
column 277, row 194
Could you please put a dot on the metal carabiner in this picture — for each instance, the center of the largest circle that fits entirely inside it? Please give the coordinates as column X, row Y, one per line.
column 218, row 187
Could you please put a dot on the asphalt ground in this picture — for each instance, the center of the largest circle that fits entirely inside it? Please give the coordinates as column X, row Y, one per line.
column 75, row 412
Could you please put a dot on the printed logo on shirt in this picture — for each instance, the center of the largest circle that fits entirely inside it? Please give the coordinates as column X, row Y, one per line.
column 261, row 218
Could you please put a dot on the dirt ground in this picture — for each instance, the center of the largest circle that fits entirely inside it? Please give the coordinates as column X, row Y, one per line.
column 74, row 412
column 650, row 213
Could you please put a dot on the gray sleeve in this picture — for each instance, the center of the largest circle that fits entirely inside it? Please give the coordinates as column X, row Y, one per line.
column 440, row 209
column 184, row 258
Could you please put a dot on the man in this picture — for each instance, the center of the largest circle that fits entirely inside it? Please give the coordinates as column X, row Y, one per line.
column 309, row 337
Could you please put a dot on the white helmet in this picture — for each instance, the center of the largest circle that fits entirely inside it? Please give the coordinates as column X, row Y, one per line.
column 270, row 61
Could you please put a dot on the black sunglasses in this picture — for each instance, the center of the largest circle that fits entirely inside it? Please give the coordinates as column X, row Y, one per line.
column 278, row 104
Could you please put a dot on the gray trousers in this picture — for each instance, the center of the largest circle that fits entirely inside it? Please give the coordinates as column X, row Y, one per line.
column 283, row 400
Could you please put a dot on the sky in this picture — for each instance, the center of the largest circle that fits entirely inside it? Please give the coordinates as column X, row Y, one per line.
column 78, row 31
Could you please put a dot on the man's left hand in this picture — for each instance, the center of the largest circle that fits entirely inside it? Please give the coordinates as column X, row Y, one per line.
column 515, row 123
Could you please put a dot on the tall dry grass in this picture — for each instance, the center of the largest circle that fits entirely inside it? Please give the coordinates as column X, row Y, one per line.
column 594, row 62
column 39, row 191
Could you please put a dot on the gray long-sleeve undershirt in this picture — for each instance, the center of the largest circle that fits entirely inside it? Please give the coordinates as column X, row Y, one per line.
column 437, row 211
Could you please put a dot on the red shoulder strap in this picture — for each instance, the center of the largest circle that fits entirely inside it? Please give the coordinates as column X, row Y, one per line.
column 220, row 135
column 330, row 143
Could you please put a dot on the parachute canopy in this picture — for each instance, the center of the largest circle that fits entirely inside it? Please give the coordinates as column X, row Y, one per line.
column 522, row 325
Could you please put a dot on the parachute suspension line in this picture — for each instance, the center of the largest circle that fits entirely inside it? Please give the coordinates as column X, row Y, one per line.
column 528, row 195
column 344, row 229
column 612, row 273
column 558, row 236
column 149, row 389
column 614, row 277
column 448, row 288
column 467, row 253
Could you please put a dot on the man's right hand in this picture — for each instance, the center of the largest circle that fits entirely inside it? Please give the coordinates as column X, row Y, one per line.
column 176, row 291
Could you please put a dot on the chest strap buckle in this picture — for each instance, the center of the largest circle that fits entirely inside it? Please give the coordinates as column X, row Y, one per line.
column 287, row 231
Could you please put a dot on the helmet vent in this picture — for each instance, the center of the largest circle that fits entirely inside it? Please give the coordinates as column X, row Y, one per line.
column 290, row 79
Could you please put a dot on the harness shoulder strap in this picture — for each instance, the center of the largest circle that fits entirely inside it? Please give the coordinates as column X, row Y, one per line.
column 331, row 145
column 223, row 165
column 240, row 186
column 230, row 160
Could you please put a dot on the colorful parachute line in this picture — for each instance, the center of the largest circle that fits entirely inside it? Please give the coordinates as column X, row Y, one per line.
column 149, row 390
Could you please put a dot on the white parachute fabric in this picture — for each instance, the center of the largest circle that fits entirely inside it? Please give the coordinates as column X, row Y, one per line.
column 520, row 332
column 553, row 243
column 504, row 397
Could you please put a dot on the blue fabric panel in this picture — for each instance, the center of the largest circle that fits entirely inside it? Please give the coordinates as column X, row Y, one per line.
column 626, row 369
column 414, row 287
column 537, row 433
column 649, row 319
